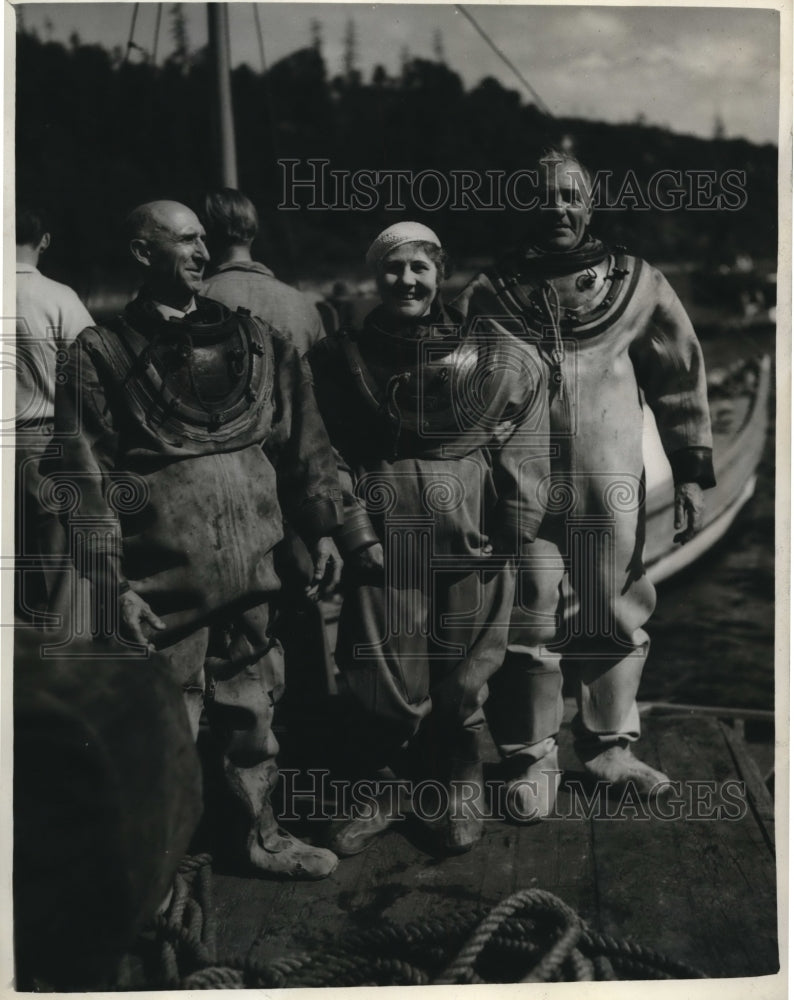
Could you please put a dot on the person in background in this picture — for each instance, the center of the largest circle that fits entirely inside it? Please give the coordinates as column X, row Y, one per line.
column 237, row 280
column 435, row 512
column 49, row 316
column 195, row 429
column 611, row 331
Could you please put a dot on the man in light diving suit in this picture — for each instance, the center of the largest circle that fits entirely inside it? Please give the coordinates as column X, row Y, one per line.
column 612, row 332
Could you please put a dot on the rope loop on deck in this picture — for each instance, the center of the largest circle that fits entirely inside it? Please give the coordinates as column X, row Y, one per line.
column 529, row 901
column 529, row 937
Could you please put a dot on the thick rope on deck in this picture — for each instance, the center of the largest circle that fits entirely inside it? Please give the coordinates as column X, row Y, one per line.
column 530, row 937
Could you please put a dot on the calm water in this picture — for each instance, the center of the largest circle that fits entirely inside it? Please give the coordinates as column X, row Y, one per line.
column 713, row 629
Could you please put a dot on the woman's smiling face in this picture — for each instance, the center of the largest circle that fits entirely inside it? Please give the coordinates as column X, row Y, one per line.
column 407, row 280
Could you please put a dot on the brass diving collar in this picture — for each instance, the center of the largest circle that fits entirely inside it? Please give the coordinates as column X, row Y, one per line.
column 537, row 263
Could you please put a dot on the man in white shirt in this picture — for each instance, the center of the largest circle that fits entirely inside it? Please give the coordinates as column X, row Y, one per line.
column 49, row 317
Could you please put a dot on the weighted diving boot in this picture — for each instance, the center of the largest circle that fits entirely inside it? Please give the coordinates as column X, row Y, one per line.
column 464, row 820
column 270, row 850
column 353, row 835
column 530, row 794
column 274, row 851
column 617, row 765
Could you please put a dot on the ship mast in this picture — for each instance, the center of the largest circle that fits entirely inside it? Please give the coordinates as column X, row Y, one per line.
column 218, row 23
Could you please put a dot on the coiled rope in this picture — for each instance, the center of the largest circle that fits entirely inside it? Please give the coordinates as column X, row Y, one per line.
column 530, row 937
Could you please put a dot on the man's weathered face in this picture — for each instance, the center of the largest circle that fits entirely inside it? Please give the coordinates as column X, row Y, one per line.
column 565, row 206
column 177, row 253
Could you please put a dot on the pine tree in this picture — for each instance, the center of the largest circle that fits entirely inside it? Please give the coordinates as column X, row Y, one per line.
column 438, row 47
column 316, row 29
column 350, row 54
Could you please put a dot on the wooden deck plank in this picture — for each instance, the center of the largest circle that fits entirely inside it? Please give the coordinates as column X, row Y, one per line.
column 700, row 891
column 758, row 795
column 557, row 852
column 697, row 888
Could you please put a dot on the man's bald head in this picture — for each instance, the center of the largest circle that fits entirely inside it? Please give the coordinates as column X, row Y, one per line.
column 148, row 220
column 167, row 240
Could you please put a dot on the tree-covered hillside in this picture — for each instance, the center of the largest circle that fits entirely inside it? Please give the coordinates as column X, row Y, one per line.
column 97, row 135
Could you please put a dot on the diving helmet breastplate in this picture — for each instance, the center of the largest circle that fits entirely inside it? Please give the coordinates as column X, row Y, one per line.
column 204, row 368
column 438, row 391
column 200, row 381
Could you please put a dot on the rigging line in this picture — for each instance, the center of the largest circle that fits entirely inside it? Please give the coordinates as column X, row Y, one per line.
column 157, row 33
column 260, row 38
column 130, row 43
column 534, row 94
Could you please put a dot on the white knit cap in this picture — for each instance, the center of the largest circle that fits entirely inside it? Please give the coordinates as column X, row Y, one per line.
column 398, row 235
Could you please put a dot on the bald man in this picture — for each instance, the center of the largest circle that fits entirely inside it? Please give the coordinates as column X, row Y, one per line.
column 197, row 431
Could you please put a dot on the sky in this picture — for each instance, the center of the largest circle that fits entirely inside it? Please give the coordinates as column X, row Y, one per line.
column 679, row 67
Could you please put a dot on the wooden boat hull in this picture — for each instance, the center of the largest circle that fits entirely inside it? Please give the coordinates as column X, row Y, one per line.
column 739, row 427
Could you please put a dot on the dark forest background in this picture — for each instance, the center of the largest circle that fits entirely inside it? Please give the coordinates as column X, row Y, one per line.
column 97, row 134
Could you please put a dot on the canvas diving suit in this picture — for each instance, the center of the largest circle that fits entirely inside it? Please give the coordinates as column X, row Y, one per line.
column 413, row 411
column 584, row 592
column 184, row 440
